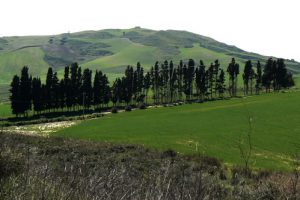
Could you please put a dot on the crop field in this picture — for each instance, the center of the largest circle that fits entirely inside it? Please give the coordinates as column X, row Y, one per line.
column 214, row 128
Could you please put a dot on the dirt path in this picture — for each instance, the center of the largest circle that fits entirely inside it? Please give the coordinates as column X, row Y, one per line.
column 40, row 129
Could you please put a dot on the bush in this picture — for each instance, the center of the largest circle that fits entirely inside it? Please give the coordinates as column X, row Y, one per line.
column 143, row 106
column 114, row 110
column 263, row 174
column 242, row 171
column 128, row 108
column 169, row 153
column 211, row 161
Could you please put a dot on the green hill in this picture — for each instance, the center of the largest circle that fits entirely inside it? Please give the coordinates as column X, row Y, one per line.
column 112, row 50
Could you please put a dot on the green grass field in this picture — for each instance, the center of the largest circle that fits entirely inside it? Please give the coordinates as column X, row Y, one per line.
column 212, row 128
column 5, row 110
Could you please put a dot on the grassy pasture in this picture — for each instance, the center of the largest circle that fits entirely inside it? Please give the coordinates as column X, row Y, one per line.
column 212, row 128
column 5, row 110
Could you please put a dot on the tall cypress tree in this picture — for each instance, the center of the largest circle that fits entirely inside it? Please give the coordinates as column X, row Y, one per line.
column 55, row 92
column 200, row 80
column 258, row 77
column 155, row 81
column 43, row 97
column 75, row 86
column 106, row 91
column 233, row 71
column 221, row 84
column 180, row 80
column 15, row 97
column 173, row 83
column 185, row 84
column 247, row 75
column 138, row 82
column 68, row 93
column 116, row 92
column 191, row 74
column 49, row 90
column 25, row 91
column 147, row 84
column 62, row 94
column 128, row 84
column 203, row 88
column 96, row 90
column 216, row 74
column 86, row 88
column 280, row 74
column 78, row 86
column 268, row 75
column 211, row 79
column 37, row 95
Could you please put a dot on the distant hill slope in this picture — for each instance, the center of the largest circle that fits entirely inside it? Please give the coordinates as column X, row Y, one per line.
column 113, row 49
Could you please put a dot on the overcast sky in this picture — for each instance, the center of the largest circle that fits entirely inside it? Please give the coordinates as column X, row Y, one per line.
column 268, row 27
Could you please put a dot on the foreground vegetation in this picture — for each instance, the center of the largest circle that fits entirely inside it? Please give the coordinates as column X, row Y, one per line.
column 55, row 168
column 215, row 128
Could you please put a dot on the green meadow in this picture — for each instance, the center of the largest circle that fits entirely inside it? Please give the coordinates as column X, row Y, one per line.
column 215, row 128
column 5, row 110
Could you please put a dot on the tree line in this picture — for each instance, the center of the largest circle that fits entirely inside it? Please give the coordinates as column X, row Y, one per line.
column 164, row 83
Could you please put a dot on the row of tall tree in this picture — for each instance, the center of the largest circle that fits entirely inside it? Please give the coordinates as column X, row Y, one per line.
column 165, row 82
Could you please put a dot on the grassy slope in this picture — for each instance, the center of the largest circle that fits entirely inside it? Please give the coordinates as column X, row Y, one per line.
column 215, row 126
column 128, row 47
column 15, row 60
column 126, row 53
column 130, row 53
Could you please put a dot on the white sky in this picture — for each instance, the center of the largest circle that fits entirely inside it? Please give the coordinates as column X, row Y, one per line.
column 268, row 27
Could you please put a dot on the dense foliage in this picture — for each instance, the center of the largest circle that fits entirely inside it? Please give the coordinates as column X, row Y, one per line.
column 187, row 81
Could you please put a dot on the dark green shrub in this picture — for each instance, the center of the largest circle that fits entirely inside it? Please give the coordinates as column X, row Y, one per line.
column 143, row 106
column 128, row 108
column 211, row 161
column 169, row 153
column 114, row 110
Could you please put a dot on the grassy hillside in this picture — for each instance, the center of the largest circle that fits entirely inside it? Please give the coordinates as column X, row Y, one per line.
column 12, row 62
column 188, row 129
column 112, row 49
